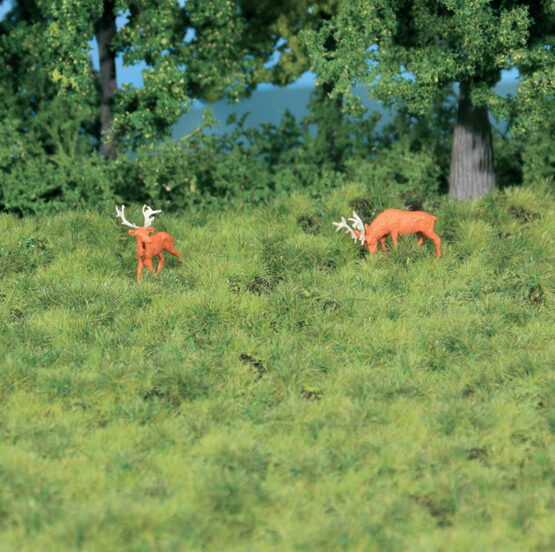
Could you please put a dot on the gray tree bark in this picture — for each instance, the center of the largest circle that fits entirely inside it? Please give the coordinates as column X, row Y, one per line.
column 472, row 173
column 104, row 30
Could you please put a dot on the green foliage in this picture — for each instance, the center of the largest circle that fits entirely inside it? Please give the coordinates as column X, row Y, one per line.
column 49, row 101
column 537, row 152
column 39, row 128
column 408, row 159
column 399, row 174
column 281, row 389
column 527, row 158
column 49, row 184
column 205, row 168
column 249, row 165
column 439, row 43
column 410, row 53
column 198, row 49
column 277, row 27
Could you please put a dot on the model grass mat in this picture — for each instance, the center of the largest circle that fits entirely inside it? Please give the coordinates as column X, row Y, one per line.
column 279, row 389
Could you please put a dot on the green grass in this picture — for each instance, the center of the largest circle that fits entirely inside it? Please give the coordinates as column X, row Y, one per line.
column 281, row 389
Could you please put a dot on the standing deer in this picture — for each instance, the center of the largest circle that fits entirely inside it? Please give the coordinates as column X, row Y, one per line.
column 148, row 246
column 391, row 222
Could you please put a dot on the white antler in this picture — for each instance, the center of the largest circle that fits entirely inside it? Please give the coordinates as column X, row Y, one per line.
column 148, row 214
column 120, row 214
column 343, row 224
column 358, row 225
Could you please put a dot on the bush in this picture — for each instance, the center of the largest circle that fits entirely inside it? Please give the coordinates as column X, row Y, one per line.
column 398, row 177
column 51, row 183
column 404, row 165
column 539, row 155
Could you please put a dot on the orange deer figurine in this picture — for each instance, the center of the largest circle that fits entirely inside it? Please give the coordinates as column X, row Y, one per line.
column 392, row 222
column 149, row 246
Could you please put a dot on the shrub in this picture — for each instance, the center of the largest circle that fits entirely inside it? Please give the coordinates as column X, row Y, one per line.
column 404, row 165
column 51, row 183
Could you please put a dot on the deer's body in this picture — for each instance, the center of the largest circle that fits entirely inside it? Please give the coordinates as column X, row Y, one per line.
column 393, row 222
column 149, row 246
column 152, row 246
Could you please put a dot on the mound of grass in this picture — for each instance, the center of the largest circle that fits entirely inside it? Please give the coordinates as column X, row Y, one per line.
column 281, row 389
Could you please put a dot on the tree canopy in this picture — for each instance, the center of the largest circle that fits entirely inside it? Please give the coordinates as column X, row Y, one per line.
column 203, row 48
column 199, row 49
column 408, row 52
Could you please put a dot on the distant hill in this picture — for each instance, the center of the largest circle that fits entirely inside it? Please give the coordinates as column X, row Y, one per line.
column 268, row 106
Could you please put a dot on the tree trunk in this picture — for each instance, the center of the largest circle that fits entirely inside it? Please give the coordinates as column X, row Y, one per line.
column 330, row 123
column 329, row 116
column 104, row 30
column 472, row 173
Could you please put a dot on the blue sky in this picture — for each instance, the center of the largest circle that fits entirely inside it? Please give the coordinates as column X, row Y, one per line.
column 133, row 74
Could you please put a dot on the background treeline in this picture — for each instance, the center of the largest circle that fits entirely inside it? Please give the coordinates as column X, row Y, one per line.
column 71, row 138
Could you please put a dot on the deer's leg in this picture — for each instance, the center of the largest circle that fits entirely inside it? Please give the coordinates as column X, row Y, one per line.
column 435, row 238
column 382, row 241
column 173, row 252
column 161, row 257
column 394, row 238
column 148, row 264
column 420, row 238
column 139, row 270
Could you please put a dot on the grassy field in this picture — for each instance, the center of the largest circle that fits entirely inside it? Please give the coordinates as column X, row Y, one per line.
column 281, row 389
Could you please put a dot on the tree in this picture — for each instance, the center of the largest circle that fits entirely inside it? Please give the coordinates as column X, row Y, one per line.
column 198, row 49
column 203, row 48
column 408, row 52
column 105, row 30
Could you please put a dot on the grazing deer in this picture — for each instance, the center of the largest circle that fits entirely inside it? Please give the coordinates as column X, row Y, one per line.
column 148, row 246
column 392, row 222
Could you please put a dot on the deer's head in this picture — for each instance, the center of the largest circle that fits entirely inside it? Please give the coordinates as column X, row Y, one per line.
column 358, row 234
column 143, row 232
